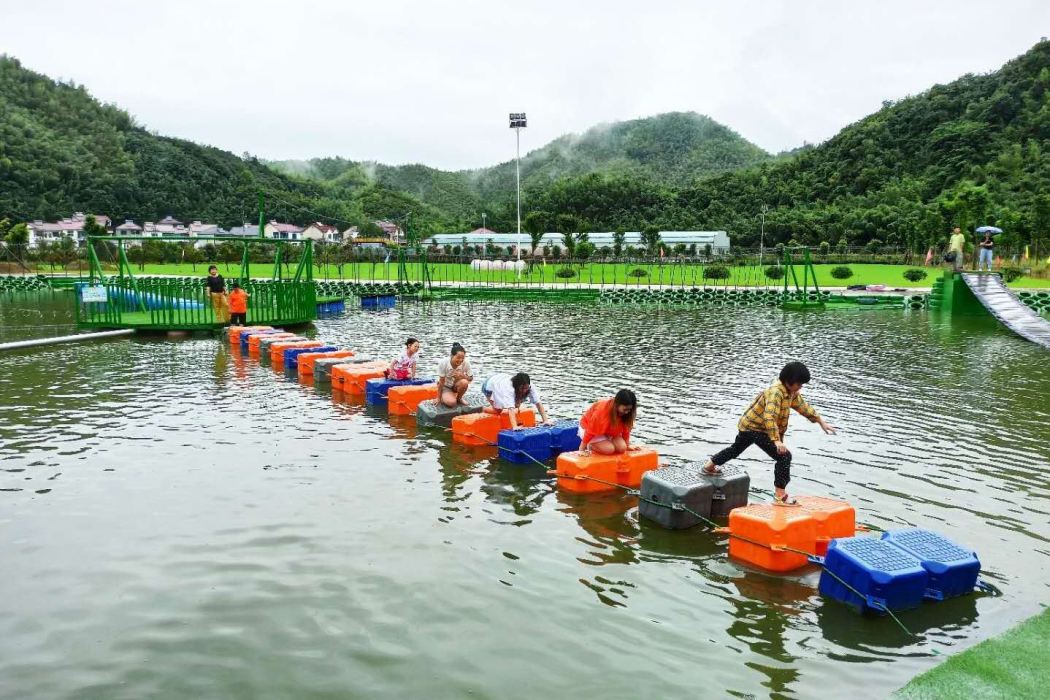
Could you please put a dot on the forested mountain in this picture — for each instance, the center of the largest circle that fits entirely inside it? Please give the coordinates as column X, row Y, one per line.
column 62, row 151
column 969, row 152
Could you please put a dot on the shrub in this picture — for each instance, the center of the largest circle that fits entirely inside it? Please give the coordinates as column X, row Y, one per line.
column 565, row 272
column 716, row 272
column 638, row 272
column 1012, row 273
column 775, row 272
column 841, row 272
column 914, row 275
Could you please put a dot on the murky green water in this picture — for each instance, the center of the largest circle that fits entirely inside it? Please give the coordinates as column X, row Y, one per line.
column 179, row 522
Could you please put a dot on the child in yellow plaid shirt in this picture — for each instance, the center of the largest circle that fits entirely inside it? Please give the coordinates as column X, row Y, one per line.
column 764, row 423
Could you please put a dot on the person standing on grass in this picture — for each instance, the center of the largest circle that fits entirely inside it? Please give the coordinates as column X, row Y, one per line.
column 764, row 423
column 238, row 305
column 216, row 286
column 956, row 246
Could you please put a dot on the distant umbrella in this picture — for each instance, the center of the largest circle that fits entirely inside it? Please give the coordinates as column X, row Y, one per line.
column 989, row 229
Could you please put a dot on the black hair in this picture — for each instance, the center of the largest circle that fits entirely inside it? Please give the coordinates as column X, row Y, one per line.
column 212, row 267
column 794, row 373
column 624, row 397
column 236, row 285
column 410, row 341
column 457, row 348
column 520, row 381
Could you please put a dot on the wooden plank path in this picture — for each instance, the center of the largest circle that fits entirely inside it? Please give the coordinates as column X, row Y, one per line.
column 991, row 291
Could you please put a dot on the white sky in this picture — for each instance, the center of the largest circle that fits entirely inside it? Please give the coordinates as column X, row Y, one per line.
column 432, row 82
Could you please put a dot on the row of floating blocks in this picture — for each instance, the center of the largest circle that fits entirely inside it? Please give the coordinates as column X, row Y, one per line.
column 897, row 571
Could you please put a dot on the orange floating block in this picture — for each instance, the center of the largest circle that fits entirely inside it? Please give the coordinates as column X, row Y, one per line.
column 483, row 428
column 253, row 342
column 404, row 400
column 834, row 519
column 625, row 470
column 277, row 349
column 757, row 531
column 307, row 359
column 350, row 379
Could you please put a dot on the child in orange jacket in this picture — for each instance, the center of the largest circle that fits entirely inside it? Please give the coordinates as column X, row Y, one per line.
column 238, row 305
column 605, row 428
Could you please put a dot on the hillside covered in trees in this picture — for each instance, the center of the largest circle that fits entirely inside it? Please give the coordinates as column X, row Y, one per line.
column 970, row 152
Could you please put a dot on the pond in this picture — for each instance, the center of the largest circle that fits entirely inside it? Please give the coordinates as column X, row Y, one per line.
column 179, row 521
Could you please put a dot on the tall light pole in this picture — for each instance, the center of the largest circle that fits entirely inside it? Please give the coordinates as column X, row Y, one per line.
column 517, row 122
column 483, row 215
column 762, row 237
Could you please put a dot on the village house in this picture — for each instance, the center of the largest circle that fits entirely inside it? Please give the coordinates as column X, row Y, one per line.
column 284, row 232
column 168, row 227
column 318, row 231
column 71, row 227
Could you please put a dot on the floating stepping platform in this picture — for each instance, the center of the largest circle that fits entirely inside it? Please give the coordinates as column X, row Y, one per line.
column 664, row 492
column 483, row 428
column 261, row 347
column 952, row 569
column 435, row 413
column 729, row 489
column 308, row 359
column 565, row 436
column 624, row 470
column 525, row 446
column 323, row 367
column 763, row 535
column 233, row 333
column 405, row 400
column 292, row 355
column 277, row 349
column 254, row 340
column 834, row 519
column 376, row 389
column 379, row 301
column 352, row 378
column 871, row 574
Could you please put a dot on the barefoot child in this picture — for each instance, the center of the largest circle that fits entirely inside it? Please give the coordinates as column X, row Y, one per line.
column 506, row 393
column 454, row 376
column 605, row 428
column 764, row 424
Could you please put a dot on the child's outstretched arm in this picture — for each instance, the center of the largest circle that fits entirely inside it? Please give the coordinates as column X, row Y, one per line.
column 811, row 413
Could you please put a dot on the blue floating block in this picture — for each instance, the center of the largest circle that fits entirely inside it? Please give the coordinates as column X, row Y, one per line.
column 952, row 570
column 565, row 436
column 518, row 445
column 884, row 575
column 384, row 301
column 376, row 389
column 291, row 355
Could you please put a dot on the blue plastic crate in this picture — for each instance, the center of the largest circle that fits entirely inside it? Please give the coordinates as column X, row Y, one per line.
column 376, row 389
column 385, row 301
column 534, row 442
column 884, row 575
column 565, row 436
column 952, row 569
column 291, row 355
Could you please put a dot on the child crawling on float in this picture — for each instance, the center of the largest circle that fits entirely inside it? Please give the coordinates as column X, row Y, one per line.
column 605, row 428
column 765, row 422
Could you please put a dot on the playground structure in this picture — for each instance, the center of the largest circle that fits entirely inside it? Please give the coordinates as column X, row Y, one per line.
column 181, row 303
column 975, row 293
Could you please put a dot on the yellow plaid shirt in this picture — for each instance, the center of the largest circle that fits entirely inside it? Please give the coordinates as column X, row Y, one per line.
column 769, row 412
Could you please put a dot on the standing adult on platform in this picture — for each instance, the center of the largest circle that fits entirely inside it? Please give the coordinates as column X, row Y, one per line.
column 956, row 246
column 217, row 290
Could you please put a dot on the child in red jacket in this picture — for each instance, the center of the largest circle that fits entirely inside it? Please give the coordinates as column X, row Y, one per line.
column 605, row 428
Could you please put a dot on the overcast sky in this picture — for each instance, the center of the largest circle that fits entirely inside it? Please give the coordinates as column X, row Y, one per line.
column 432, row 82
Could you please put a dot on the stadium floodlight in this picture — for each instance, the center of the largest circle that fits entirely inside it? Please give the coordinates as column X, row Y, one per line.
column 518, row 122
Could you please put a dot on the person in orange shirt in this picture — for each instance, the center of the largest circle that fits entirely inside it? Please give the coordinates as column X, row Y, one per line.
column 238, row 306
column 605, row 428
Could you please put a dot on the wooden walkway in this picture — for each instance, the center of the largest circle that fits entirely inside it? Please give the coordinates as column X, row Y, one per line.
column 991, row 291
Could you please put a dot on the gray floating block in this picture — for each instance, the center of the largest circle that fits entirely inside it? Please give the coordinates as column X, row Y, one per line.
column 265, row 343
column 671, row 485
column 730, row 489
column 433, row 412
column 323, row 367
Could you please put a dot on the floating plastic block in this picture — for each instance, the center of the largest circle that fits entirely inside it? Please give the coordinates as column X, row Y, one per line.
column 618, row 470
column 884, row 575
column 376, row 389
column 483, row 428
column 952, row 570
column 234, row 333
column 518, row 446
column 307, row 359
column 565, row 436
column 834, row 519
column 262, row 349
column 385, row 301
column 729, row 489
column 250, row 342
column 438, row 414
column 324, row 366
column 404, row 400
column 291, row 355
column 670, row 486
column 277, row 349
column 351, row 378
column 757, row 531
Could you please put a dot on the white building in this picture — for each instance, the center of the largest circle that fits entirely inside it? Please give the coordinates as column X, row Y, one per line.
column 318, row 231
column 284, row 232
column 71, row 227
column 718, row 240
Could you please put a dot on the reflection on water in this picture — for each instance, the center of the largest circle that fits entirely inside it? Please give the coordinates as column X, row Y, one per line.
column 181, row 521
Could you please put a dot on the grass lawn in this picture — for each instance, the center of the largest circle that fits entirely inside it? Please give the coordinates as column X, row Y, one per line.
column 1012, row 665
column 591, row 273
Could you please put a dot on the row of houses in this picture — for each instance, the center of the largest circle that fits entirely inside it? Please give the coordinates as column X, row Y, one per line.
column 718, row 240
column 42, row 232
